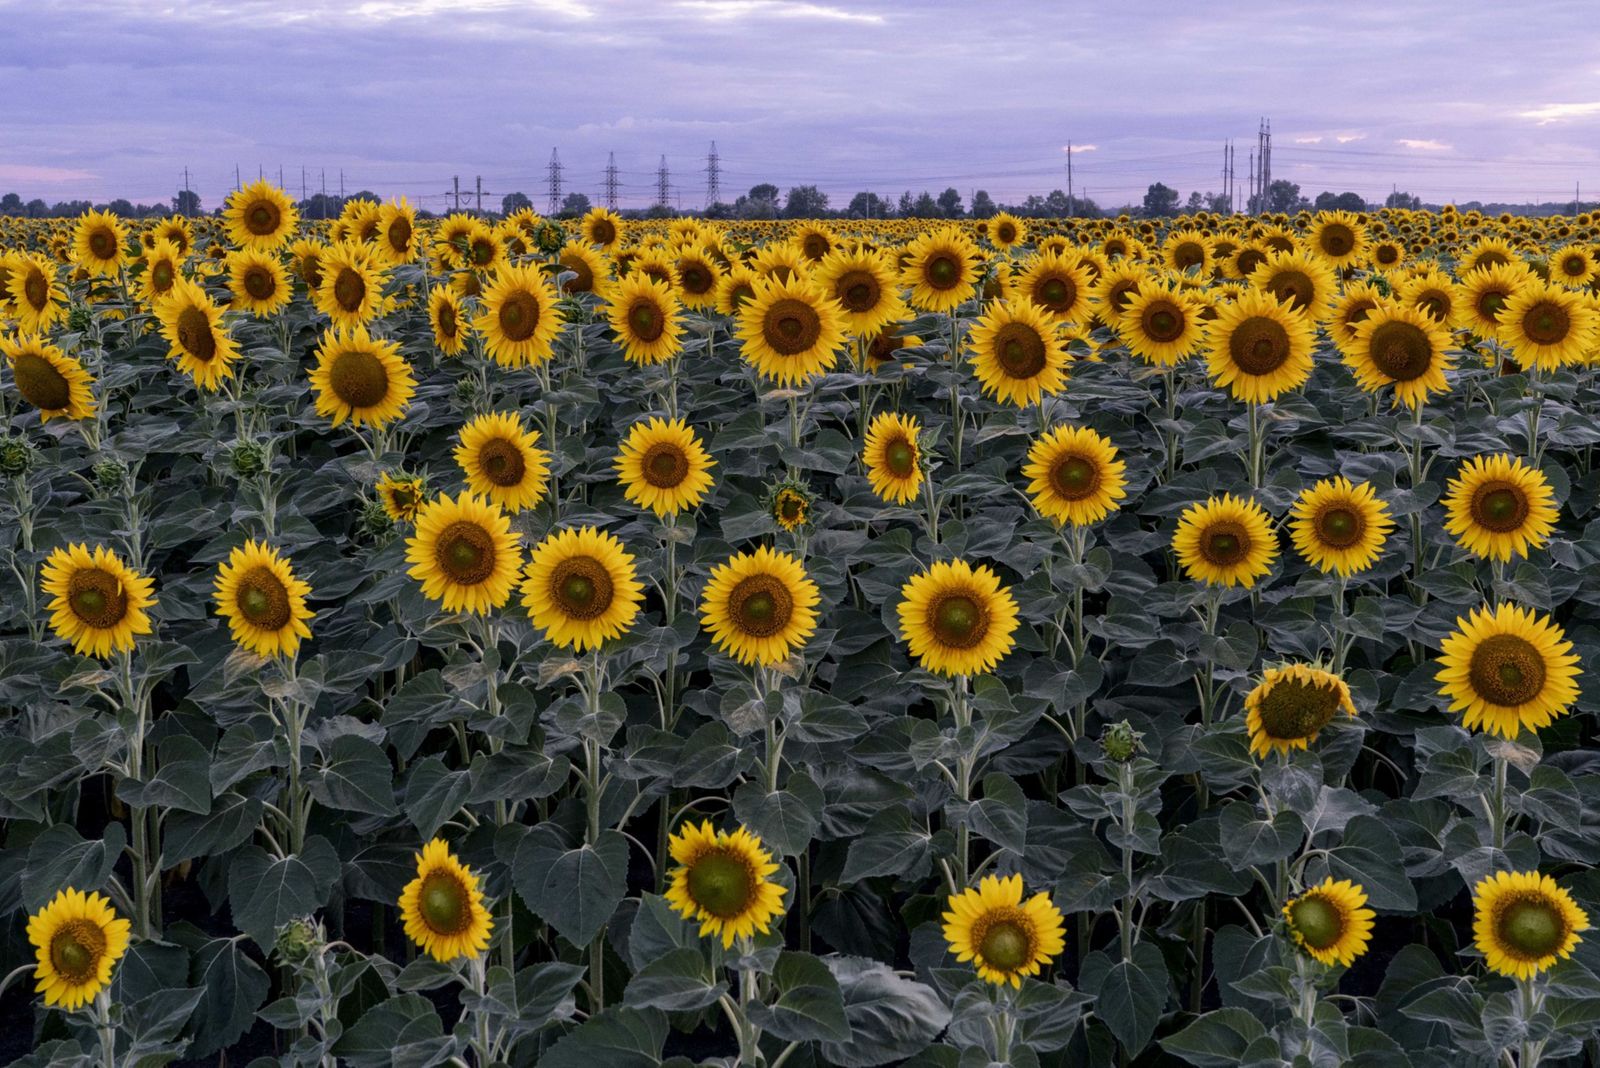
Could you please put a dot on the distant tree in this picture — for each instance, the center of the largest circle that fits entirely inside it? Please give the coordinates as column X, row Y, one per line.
column 1339, row 202
column 1086, row 208
column 805, row 202
column 868, row 206
column 514, row 202
column 1284, row 195
column 719, row 210
column 11, row 204
column 365, row 194
column 764, row 191
column 573, row 205
column 121, row 207
column 1398, row 199
column 747, row 207
column 319, row 206
column 925, row 207
column 1196, row 202
column 950, row 204
column 1218, row 203
column 1057, row 204
column 37, row 209
column 1160, row 199
column 187, row 202
column 982, row 206
column 907, row 205
column 66, row 209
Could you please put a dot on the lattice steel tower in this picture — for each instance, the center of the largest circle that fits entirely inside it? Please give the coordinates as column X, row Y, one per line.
column 555, row 182
column 611, row 181
column 713, row 176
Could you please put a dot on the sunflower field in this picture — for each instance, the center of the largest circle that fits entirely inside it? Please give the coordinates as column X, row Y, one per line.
column 644, row 644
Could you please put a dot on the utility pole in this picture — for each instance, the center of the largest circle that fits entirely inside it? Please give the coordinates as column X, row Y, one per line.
column 322, row 210
column 1072, row 202
column 713, row 176
column 554, row 179
column 237, row 184
column 480, row 194
column 341, row 187
column 1252, row 205
column 302, row 184
column 611, row 181
column 187, row 197
column 663, row 185
column 456, row 190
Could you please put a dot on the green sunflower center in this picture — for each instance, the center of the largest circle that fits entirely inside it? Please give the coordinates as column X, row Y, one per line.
column 263, row 599
column 97, row 598
column 444, row 903
column 1006, row 947
column 76, row 949
column 103, row 243
column 262, row 219
column 1224, row 544
column 581, row 587
column 761, row 605
column 1317, row 921
column 646, row 321
column 161, row 276
column 942, row 271
column 721, row 884
column 957, row 619
column 1020, row 351
column 1162, row 322
column 1339, row 527
column 1532, row 927
column 1075, row 477
column 1507, row 670
column 900, row 457
column 1055, row 293
column 465, row 552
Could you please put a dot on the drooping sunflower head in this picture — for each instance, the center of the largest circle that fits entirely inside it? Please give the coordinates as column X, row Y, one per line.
column 1291, row 705
column 646, row 318
column 99, row 243
column 402, row 495
column 760, row 606
column 192, row 324
column 37, row 297
column 863, row 283
column 1499, row 507
column 1005, row 938
column 790, row 330
column 1508, row 669
column 1074, row 476
column 97, row 602
column 581, row 589
column 442, row 908
column 259, row 282
column 663, row 466
column 520, row 319
column 723, row 881
column 1339, row 526
column 361, row 378
column 1330, row 921
column 1523, row 922
column 941, row 270
column 502, row 461
column 77, row 940
column 1548, row 326
column 1018, row 355
column 1259, row 347
column 448, row 321
column 262, row 600
column 49, row 379
column 1161, row 325
column 957, row 619
column 893, row 457
column 464, row 553
column 260, row 216
column 790, row 505
column 1225, row 541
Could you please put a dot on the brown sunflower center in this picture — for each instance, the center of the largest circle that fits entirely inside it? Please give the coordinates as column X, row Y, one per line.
column 399, row 234
column 1005, row 946
column 1020, row 350
column 1337, row 239
column 1055, row 293
column 1387, row 254
column 36, row 289
column 740, row 295
column 665, row 465
column 1075, row 477
column 311, row 270
column 194, row 334
column 1532, row 927
column 815, row 246
column 858, row 291
column 1500, row 506
column 761, row 605
column 584, row 280
column 1546, row 323
column 1491, row 258
column 1340, row 526
column 957, row 619
column 602, row 232
column 791, row 326
column 448, row 327
column 259, row 283
column 103, row 243
column 645, row 320
column 40, row 383
column 1162, row 322
column 696, row 279
column 900, row 457
column 1249, row 259
column 502, row 462
column 1491, row 302
column 444, row 903
column 1188, row 254
column 581, row 587
column 721, row 883
column 1259, row 345
column 1317, row 921
column 481, row 252
column 1436, row 303
column 359, row 378
column 262, row 218
column 942, row 271
column 1401, row 350
column 1006, row 232
column 791, row 507
column 519, row 315
column 1506, row 670
column 1358, row 310
column 161, row 276
column 263, row 599
column 76, row 949
column 1225, row 544
column 1122, row 293
column 465, row 553
column 1295, row 708
column 349, row 289
column 1293, row 287
column 97, row 598
column 1574, row 266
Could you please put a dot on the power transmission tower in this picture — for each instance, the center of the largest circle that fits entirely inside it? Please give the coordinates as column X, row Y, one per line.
column 663, row 185
column 302, row 185
column 611, row 181
column 555, row 182
column 1252, row 205
column 713, row 177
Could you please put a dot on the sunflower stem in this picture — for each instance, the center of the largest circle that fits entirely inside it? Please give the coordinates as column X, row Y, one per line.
column 1257, row 446
column 108, row 1032
column 1129, row 815
column 1536, row 391
column 1499, row 804
column 962, row 711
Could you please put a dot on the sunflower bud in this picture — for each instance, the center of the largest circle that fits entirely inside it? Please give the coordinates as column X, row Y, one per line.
column 248, row 458
column 79, row 318
column 549, row 237
column 16, row 457
column 466, row 390
column 109, row 474
column 297, row 940
column 375, row 522
column 1121, row 742
column 790, row 504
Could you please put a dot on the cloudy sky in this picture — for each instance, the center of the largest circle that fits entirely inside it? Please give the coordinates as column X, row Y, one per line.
column 1450, row 99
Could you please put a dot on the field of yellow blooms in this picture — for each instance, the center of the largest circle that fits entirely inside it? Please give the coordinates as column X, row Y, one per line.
column 618, row 644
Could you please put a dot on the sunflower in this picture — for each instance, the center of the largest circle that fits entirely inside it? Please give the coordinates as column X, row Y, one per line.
column 695, row 276
column 38, row 299
column 1018, row 355
column 1187, row 250
column 305, row 259
column 1574, row 266
column 1339, row 526
column 781, row 261
column 1486, row 291
column 1386, row 255
column 480, row 248
column 893, row 458
column 361, row 378
column 1291, row 704
column 790, row 506
column 1005, row 937
column 663, row 466
column 865, row 285
column 587, row 267
column 581, row 588
column 790, row 331
column 882, row 346
column 1303, row 282
column 1339, row 238
column 1523, row 922
column 1330, row 921
column 723, row 881
column 262, row 600
column 646, row 318
column 1508, row 669
column 99, row 243
column 77, row 939
column 192, row 325
column 1401, row 346
column 350, row 291
column 1487, row 252
column 163, row 266
column 1547, row 326
column 402, row 495
column 48, row 378
column 1225, row 541
column 1161, row 326
column 97, row 602
column 1499, row 507
column 760, row 606
column 1435, row 294
column 602, row 228
column 442, row 908
column 1259, row 347
column 501, row 461
column 736, row 289
column 520, row 319
column 1116, row 288
column 1359, row 300
column 957, row 619
column 260, row 216
column 464, row 553
column 259, row 283
column 175, row 229
column 1055, row 282
column 1074, row 476
column 397, row 232
column 941, row 270
column 445, row 317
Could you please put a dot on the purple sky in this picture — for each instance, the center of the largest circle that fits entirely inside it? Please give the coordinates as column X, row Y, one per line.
column 1450, row 99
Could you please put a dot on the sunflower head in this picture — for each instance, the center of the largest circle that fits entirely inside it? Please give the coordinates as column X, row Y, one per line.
column 581, row 589
column 262, row 600
column 1161, row 325
column 97, row 602
column 1074, row 476
column 1339, row 526
column 464, row 553
column 790, row 330
column 49, row 379
column 401, row 495
column 520, row 319
column 1523, row 922
column 1019, row 356
column 1259, row 347
column 957, row 619
column 664, row 466
column 893, row 457
column 941, row 270
column 442, row 908
column 77, row 940
column 1291, row 705
column 790, row 505
column 1507, row 669
column 1225, row 541
column 864, row 284
column 361, row 378
column 1329, row 922
column 723, row 881
column 1005, row 937
column 99, row 243
column 1499, row 507
column 760, row 606
column 502, row 461
column 260, row 216
column 196, row 336
column 646, row 318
